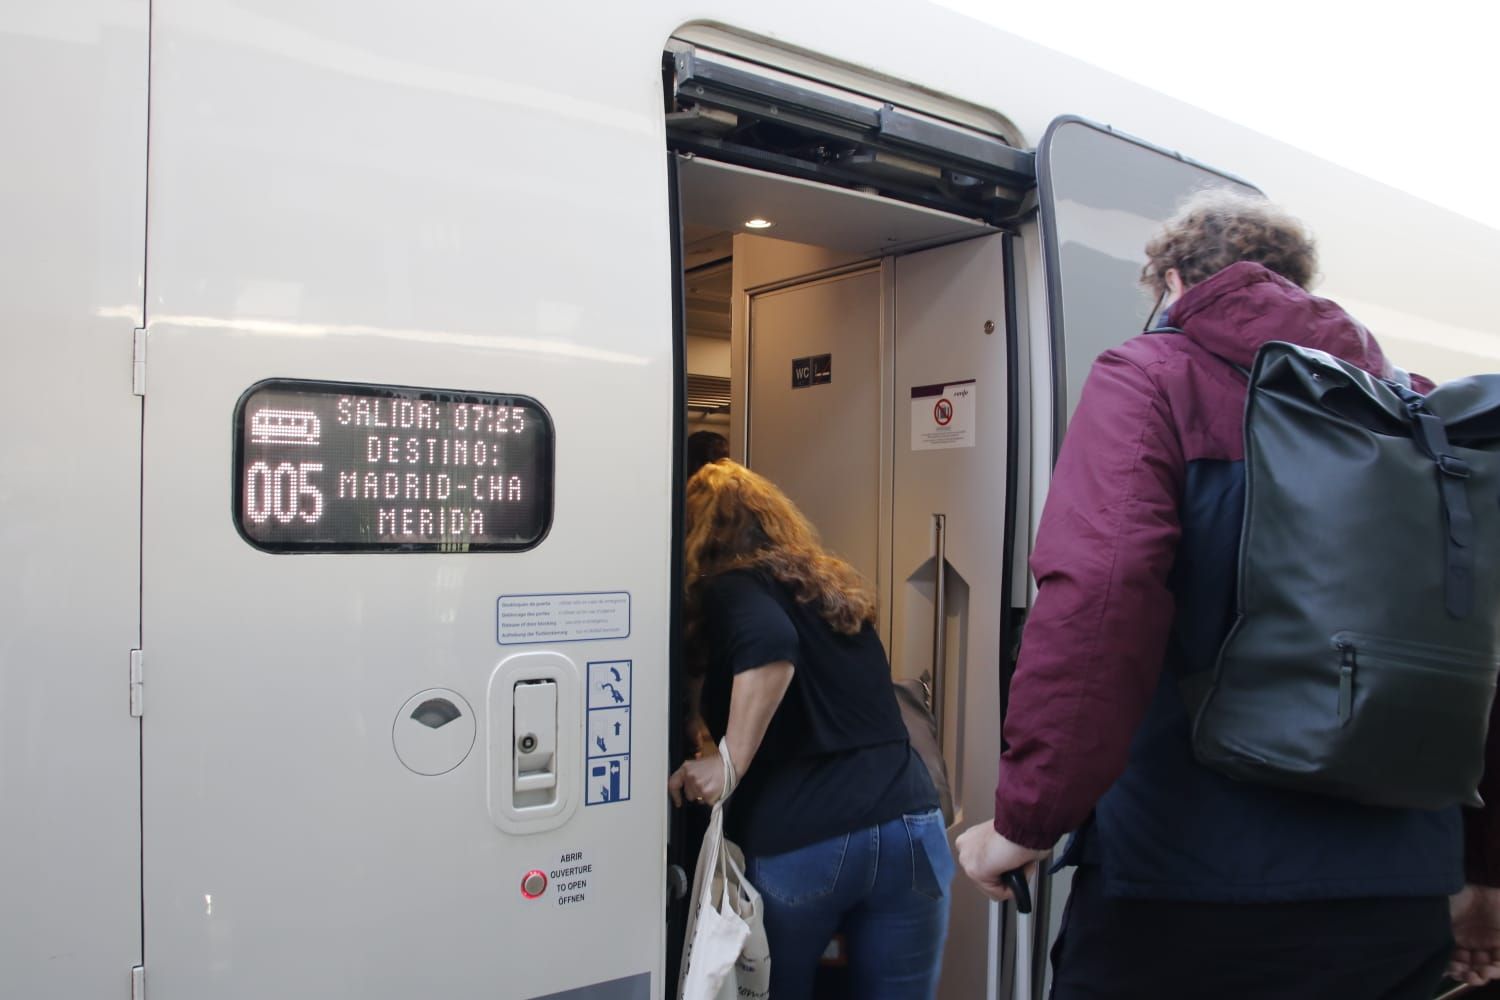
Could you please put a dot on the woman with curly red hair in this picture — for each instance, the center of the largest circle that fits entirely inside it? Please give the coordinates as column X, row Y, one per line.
column 836, row 814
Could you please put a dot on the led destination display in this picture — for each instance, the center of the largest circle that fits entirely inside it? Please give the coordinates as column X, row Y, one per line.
column 327, row 466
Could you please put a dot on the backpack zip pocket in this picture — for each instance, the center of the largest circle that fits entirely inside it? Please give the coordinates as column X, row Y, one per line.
column 1405, row 655
column 1411, row 718
column 1372, row 718
column 1415, row 655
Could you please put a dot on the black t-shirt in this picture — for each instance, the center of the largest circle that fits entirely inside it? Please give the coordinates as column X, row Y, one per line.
column 836, row 756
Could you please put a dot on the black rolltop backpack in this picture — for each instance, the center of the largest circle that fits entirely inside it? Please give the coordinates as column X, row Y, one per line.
column 1363, row 657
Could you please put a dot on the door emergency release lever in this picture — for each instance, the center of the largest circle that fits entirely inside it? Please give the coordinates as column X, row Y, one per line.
column 535, row 730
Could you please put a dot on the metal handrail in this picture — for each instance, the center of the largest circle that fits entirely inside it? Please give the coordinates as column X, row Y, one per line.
column 940, row 625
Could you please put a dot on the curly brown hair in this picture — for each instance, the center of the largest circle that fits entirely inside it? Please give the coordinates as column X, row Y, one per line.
column 736, row 519
column 1218, row 227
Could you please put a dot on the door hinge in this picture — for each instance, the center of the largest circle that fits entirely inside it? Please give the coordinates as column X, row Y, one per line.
column 138, row 983
column 137, row 685
column 138, row 363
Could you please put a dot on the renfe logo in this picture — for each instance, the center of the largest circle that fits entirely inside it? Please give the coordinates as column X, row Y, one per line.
column 942, row 412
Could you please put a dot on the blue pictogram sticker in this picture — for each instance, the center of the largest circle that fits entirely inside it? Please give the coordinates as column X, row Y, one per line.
column 607, row 733
column 608, row 781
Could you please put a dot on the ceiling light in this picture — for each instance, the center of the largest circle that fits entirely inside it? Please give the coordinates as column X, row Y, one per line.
column 759, row 224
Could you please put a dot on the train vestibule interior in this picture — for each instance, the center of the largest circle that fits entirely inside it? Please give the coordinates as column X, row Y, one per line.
column 857, row 351
column 850, row 324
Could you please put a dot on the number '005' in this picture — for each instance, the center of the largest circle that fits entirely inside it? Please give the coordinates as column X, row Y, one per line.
column 285, row 493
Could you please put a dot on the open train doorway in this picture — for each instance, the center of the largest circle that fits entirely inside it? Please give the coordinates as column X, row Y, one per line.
column 852, row 333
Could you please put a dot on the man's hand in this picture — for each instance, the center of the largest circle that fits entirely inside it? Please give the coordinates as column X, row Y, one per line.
column 986, row 857
column 1476, row 932
column 700, row 781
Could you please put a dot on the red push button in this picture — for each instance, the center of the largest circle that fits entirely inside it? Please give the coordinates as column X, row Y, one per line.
column 533, row 884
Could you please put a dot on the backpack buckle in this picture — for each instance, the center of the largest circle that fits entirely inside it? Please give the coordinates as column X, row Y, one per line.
column 1452, row 466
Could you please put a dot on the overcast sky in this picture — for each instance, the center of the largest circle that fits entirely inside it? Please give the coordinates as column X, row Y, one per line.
column 1406, row 93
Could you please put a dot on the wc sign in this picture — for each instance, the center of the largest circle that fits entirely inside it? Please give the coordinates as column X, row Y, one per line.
column 942, row 416
column 815, row 370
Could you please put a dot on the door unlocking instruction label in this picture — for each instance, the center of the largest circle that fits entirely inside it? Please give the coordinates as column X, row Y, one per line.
column 607, row 753
column 537, row 618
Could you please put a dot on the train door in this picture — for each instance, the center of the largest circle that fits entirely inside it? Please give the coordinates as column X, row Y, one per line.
column 1101, row 195
column 875, row 389
column 72, row 194
column 872, row 372
column 404, row 630
column 954, row 462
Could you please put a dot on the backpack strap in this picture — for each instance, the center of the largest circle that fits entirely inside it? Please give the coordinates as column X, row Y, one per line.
column 1432, row 438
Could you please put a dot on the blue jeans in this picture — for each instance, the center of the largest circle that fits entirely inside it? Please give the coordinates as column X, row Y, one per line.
column 885, row 887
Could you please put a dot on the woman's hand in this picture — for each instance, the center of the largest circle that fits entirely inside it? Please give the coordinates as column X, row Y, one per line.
column 699, row 781
column 699, row 740
column 752, row 701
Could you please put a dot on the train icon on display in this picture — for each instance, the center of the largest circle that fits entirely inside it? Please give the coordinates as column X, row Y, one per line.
column 274, row 426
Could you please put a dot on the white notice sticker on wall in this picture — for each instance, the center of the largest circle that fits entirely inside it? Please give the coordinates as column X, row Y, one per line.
column 942, row 416
column 548, row 618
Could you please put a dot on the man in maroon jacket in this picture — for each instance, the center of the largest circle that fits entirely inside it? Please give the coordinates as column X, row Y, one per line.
column 1190, row 884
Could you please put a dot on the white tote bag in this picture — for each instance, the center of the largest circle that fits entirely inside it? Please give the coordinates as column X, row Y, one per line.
column 726, row 956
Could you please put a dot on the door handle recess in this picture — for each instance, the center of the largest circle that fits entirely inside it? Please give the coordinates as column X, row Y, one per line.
column 534, row 742
column 535, row 729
